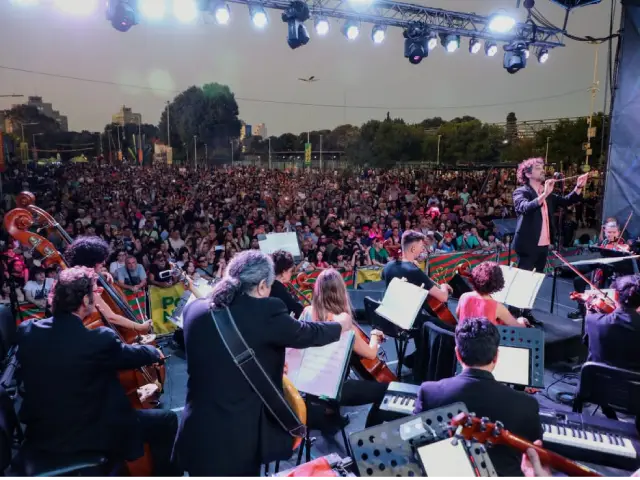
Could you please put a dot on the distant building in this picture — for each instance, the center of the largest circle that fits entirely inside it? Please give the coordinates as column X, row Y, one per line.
column 245, row 131
column 260, row 130
column 47, row 110
column 125, row 116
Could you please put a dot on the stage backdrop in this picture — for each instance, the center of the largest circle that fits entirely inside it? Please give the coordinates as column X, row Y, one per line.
column 622, row 194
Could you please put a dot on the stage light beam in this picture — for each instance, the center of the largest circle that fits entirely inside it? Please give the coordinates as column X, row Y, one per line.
column 322, row 26
column 259, row 17
column 433, row 41
column 378, row 34
column 451, row 42
column 222, row 14
column 490, row 49
column 152, row 9
column 185, row 11
column 543, row 55
column 77, row 7
column 501, row 23
column 351, row 30
column 474, row 46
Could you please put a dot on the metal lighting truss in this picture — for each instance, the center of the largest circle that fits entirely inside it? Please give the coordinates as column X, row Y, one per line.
column 397, row 14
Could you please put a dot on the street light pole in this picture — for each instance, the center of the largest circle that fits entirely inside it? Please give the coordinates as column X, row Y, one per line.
column 231, row 142
column 546, row 155
column 320, row 152
column 168, row 127
column 269, row 140
column 439, row 137
column 195, row 151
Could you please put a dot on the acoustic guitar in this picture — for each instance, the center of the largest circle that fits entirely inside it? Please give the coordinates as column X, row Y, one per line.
column 291, row 394
column 470, row 427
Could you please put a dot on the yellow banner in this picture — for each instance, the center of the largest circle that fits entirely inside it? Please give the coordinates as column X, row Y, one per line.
column 374, row 274
column 163, row 302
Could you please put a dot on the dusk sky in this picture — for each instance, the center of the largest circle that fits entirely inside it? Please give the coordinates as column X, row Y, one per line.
column 262, row 70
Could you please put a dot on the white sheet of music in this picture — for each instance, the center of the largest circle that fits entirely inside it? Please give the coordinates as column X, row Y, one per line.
column 320, row 371
column 521, row 287
column 401, row 303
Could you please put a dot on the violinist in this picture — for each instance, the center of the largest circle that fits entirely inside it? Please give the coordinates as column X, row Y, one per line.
column 610, row 239
column 73, row 400
column 284, row 265
column 614, row 338
column 92, row 252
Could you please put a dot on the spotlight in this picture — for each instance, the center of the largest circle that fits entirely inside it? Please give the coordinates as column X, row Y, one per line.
column 152, row 9
column 221, row 12
column 433, row 41
column 185, row 10
column 450, row 42
column 416, row 42
column 515, row 58
column 294, row 17
column 77, row 7
column 378, row 34
column 543, row 55
column 501, row 23
column 322, row 26
column 351, row 30
column 121, row 15
column 527, row 53
column 474, row 45
column 258, row 16
column 490, row 49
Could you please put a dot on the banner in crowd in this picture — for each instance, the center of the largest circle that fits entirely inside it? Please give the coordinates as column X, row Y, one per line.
column 138, row 303
column 163, row 301
column 303, row 282
column 29, row 311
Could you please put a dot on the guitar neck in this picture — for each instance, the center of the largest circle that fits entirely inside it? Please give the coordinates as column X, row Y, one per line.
column 550, row 459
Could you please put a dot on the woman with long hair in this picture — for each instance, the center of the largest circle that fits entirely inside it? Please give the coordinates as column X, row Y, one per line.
column 486, row 280
column 330, row 298
column 284, row 267
column 226, row 429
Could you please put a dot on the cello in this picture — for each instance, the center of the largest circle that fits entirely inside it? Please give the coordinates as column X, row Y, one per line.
column 371, row 369
column 140, row 385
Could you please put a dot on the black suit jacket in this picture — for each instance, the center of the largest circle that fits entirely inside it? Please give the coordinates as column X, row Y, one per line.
column 529, row 211
column 278, row 290
column 486, row 397
column 614, row 338
column 73, row 400
column 225, row 427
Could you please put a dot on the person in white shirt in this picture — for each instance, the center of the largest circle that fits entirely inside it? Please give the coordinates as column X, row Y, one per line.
column 132, row 276
column 118, row 264
column 37, row 290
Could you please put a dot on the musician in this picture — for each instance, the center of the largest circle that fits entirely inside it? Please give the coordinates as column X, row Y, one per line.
column 486, row 279
column 284, row 266
column 226, row 428
column 477, row 342
column 535, row 204
column 330, row 298
column 610, row 238
column 613, row 338
column 92, row 252
column 73, row 400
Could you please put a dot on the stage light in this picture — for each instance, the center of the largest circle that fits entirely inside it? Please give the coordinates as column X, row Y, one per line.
column 501, row 23
column 294, row 16
column 474, row 45
column 322, row 26
column 515, row 58
column 543, row 55
column 433, row 41
column 221, row 12
column 121, row 15
column 527, row 53
column 378, row 33
column 416, row 42
column 450, row 42
column 77, row 7
column 258, row 16
column 185, row 10
column 490, row 49
column 152, row 9
column 351, row 30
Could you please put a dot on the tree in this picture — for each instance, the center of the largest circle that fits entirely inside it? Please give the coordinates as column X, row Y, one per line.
column 512, row 127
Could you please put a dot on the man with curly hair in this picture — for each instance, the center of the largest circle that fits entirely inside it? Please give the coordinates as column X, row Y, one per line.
column 535, row 204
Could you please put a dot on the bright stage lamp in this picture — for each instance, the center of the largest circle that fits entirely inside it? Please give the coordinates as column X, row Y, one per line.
column 351, row 30
column 501, row 23
column 322, row 26
column 378, row 34
column 222, row 14
column 490, row 49
column 433, row 41
column 451, row 42
column 77, row 7
column 474, row 45
column 185, row 10
column 258, row 16
column 152, row 9
column 543, row 55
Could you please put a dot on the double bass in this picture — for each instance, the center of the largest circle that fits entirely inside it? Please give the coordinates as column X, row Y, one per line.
column 142, row 386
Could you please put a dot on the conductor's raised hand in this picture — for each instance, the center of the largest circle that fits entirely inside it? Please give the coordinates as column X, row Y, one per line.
column 582, row 180
column 548, row 187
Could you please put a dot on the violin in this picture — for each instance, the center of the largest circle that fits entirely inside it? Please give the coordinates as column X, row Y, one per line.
column 619, row 245
column 469, row 427
column 142, row 386
column 594, row 301
column 370, row 369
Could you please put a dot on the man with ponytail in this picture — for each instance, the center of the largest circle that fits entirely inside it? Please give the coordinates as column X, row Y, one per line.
column 226, row 430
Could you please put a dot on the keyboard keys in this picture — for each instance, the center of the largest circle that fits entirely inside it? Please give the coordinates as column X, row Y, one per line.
column 588, row 440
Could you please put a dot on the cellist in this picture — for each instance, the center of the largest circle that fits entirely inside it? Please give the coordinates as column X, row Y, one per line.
column 73, row 400
column 92, row 252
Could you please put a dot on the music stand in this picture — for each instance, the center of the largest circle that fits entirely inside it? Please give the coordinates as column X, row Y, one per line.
column 507, row 226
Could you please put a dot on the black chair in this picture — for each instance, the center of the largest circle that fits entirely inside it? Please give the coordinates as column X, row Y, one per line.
column 400, row 336
column 613, row 389
column 436, row 353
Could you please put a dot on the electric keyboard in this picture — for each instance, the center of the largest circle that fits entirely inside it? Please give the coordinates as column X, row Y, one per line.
column 400, row 398
column 592, row 439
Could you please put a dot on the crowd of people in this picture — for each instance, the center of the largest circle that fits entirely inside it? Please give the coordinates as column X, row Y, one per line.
column 201, row 219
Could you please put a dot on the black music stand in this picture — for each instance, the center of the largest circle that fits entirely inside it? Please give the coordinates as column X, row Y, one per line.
column 507, row 226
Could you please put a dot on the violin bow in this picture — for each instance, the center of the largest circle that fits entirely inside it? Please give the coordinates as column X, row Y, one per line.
column 620, row 237
column 577, row 272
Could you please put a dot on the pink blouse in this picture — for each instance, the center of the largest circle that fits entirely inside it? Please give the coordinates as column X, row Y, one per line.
column 471, row 305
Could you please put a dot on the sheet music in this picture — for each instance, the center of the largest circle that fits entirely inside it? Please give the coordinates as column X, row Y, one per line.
column 287, row 241
column 320, row 371
column 521, row 287
column 604, row 260
column 401, row 303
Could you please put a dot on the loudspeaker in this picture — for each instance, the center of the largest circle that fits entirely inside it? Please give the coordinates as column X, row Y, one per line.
column 460, row 285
